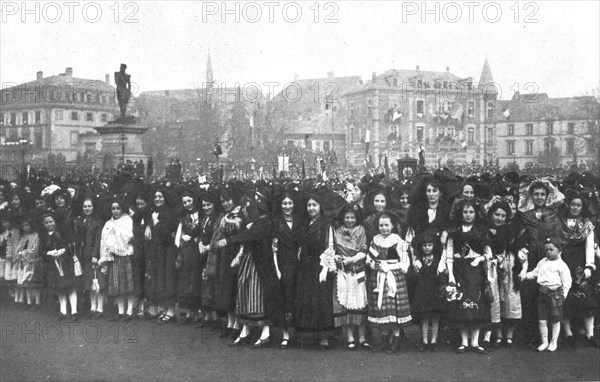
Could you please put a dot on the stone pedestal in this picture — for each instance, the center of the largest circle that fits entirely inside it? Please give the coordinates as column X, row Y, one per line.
column 113, row 135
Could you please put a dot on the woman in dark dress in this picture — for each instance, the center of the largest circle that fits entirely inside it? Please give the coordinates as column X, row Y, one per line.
column 142, row 218
column 466, row 255
column 286, row 243
column 314, row 284
column 160, row 283
column 426, row 305
column 210, row 203
column 189, row 262
column 259, row 300
column 225, row 276
column 535, row 226
column 88, row 229
column 578, row 253
column 58, row 267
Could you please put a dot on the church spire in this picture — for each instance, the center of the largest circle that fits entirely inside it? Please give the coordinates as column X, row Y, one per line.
column 209, row 73
column 486, row 74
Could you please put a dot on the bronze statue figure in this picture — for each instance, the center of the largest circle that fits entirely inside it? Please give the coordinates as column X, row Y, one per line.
column 122, row 80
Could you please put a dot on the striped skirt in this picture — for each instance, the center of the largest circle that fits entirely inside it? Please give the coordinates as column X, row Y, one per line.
column 394, row 310
column 120, row 276
column 250, row 303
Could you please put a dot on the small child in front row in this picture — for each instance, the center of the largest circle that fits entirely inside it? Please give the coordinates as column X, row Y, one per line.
column 554, row 280
column 427, row 304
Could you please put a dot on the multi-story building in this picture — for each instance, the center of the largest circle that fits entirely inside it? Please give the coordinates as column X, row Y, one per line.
column 397, row 112
column 534, row 128
column 313, row 113
column 55, row 114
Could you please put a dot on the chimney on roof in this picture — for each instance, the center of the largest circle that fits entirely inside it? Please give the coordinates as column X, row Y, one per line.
column 296, row 77
column 447, row 68
column 516, row 96
column 417, row 67
column 69, row 72
column 107, row 79
column 40, row 75
column 329, row 74
column 373, row 75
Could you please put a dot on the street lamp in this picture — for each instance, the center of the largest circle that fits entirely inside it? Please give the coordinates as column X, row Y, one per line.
column 123, row 139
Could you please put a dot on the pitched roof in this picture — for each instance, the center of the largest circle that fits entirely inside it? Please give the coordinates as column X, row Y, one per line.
column 405, row 76
column 329, row 86
column 486, row 74
column 524, row 108
column 66, row 80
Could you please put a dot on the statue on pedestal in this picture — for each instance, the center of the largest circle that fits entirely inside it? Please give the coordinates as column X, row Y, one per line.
column 123, row 82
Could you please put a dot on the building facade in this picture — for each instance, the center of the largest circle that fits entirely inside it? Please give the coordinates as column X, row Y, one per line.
column 55, row 114
column 400, row 112
column 312, row 113
column 534, row 129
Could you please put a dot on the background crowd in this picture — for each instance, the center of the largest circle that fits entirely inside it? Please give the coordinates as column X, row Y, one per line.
column 502, row 257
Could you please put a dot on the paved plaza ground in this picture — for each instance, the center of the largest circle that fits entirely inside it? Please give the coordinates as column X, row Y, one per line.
column 34, row 347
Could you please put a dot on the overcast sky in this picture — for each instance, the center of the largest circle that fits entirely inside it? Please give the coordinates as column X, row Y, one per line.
column 166, row 44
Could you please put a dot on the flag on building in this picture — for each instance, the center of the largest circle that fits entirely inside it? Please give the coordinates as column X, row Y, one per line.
column 397, row 117
column 458, row 112
column 367, row 140
column 506, row 113
column 421, row 156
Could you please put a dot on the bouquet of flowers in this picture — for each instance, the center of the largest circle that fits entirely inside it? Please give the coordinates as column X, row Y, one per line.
column 451, row 292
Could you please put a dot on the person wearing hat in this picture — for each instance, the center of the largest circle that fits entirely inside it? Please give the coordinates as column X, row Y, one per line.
column 189, row 262
column 578, row 254
column 554, row 281
column 210, row 205
column 535, row 225
column 58, row 267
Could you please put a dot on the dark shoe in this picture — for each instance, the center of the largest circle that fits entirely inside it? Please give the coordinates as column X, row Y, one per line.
column 365, row 345
column 394, row 346
column 75, row 317
column 182, row 320
column 422, row 346
column 126, row 318
column 285, row 344
column 590, row 342
column 99, row 316
column 485, row 344
column 163, row 319
column 240, row 341
column 116, row 318
column 351, row 345
column 261, row 343
column 324, row 347
column 90, row 316
column 510, row 344
column 234, row 333
column 570, row 341
column 226, row 333
column 61, row 317
column 433, row 347
column 461, row 349
column 479, row 350
column 497, row 343
column 383, row 344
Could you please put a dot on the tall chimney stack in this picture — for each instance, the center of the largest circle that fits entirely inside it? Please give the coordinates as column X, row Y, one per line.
column 69, row 72
column 107, row 79
column 40, row 75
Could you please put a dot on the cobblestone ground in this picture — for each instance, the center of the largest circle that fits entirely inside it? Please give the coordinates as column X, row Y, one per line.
column 35, row 347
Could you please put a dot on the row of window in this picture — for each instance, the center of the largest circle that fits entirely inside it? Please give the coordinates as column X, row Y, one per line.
column 442, row 132
column 33, row 134
column 442, row 107
column 315, row 145
column 23, row 118
column 510, row 128
column 437, row 85
column 53, row 95
column 548, row 145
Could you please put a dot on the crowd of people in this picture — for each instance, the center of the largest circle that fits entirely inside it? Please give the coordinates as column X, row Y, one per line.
column 492, row 255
